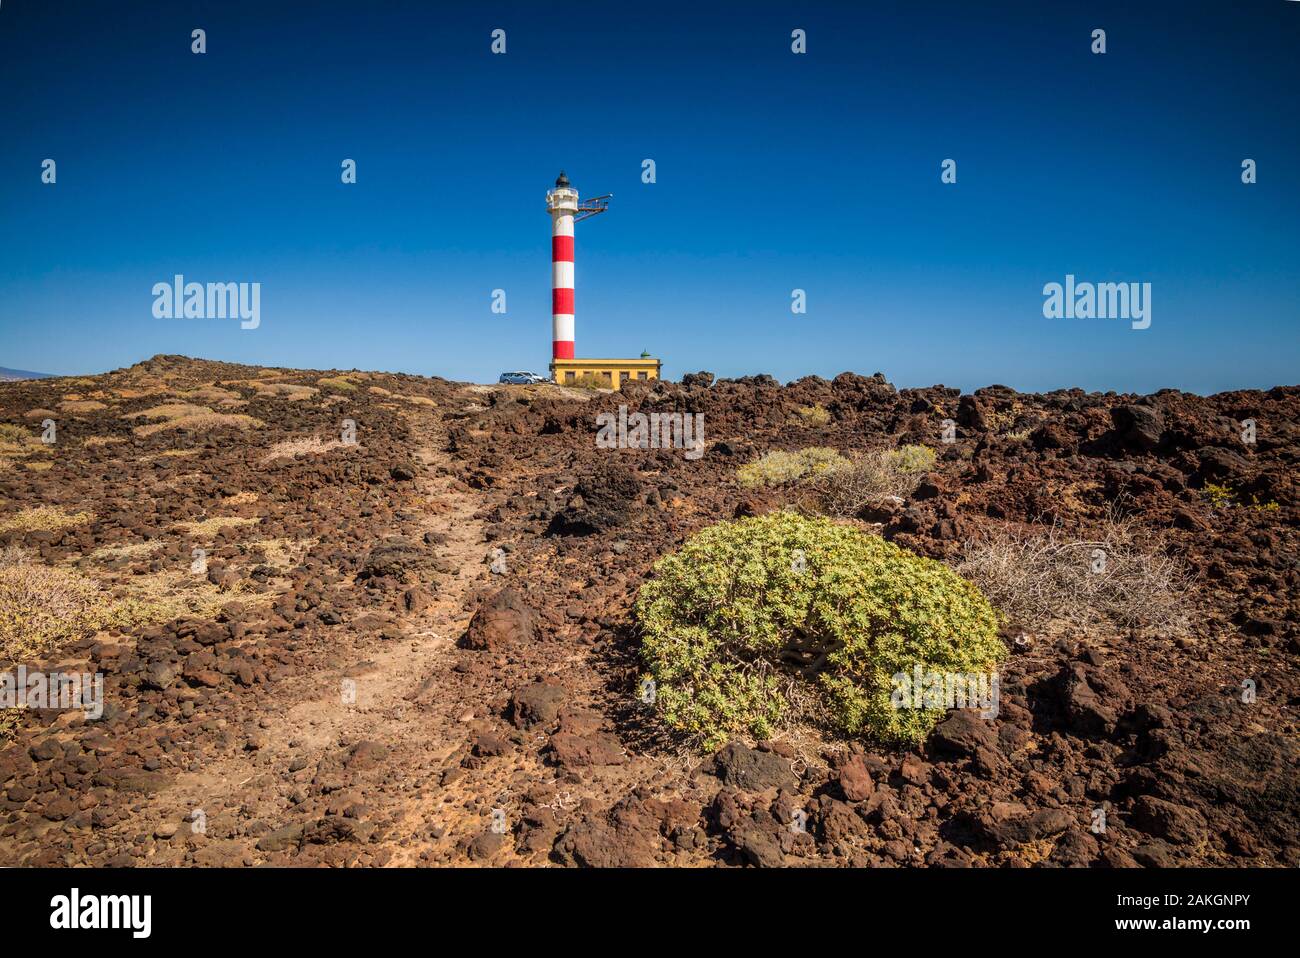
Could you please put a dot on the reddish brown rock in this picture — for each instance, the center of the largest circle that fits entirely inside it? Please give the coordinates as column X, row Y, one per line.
column 501, row 621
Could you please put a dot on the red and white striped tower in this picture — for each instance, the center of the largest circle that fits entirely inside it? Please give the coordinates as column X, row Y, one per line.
column 565, row 209
column 562, row 203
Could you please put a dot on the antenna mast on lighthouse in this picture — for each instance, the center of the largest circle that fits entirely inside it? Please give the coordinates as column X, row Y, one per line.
column 566, row 209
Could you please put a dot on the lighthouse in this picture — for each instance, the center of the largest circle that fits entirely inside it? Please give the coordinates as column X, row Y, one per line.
column 566, row 209
column 562, row 204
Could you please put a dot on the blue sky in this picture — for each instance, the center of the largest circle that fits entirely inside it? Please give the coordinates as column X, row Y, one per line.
column 775, row 171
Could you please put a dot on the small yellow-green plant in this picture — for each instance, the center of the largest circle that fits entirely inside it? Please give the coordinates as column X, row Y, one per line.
column 1223, row 496
column 911, row 459
column 337, row 384
column 751, row 616
column 1220, row 496
column 779, row 468
column 816, row 415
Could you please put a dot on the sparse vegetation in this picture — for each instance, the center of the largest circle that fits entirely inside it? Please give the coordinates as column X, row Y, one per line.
column 1219, row 496
column 204, row 422
column 214, row 395
column 160, row 597
column 18, row 444
column 872, row 478
column 132, row 550
column 293, row 392
column 207, row 528
column 815, row 416
column 13, row 435
column 41, row 606
column 1222, row 497
column 44, row 519
column 750, row 618
column 170, row 410
column 9, row 721
column 910, row 460
column 1116, row 575
column 792, row 627
column 306, row 446
column 337, row 384
column 780, row 468
column 81, row 405
column 280, row 554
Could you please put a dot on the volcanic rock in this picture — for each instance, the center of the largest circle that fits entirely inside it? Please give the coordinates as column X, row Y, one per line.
column 502, row 620
column 751, row 770
column 600, row 502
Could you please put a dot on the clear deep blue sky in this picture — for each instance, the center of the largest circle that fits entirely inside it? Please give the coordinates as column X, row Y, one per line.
column 775, row 172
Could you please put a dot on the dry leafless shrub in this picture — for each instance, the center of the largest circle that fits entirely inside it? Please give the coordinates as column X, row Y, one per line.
column 214, row 395
column 81, row 405
column 337, row 384
column 17, row 441
column 44, row 519
column 203, row 422
column 41, row 605
column 207, row 528
column 293, row 392
column 304, row 446
column 1117, row 575
column 170, row 410
column 872, row 478
column 132, row 550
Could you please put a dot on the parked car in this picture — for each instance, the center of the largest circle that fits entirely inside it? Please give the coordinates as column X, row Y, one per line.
column 522, row 379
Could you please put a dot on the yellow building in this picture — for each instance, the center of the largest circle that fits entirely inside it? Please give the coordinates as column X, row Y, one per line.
column 606, row 373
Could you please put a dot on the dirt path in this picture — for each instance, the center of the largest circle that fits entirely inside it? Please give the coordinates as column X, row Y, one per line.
column 367, row 740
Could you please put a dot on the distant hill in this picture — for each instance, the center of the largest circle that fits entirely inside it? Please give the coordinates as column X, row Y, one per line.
column 9, row 375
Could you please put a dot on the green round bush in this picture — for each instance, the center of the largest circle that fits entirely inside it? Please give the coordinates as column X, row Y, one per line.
column 749, row 613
